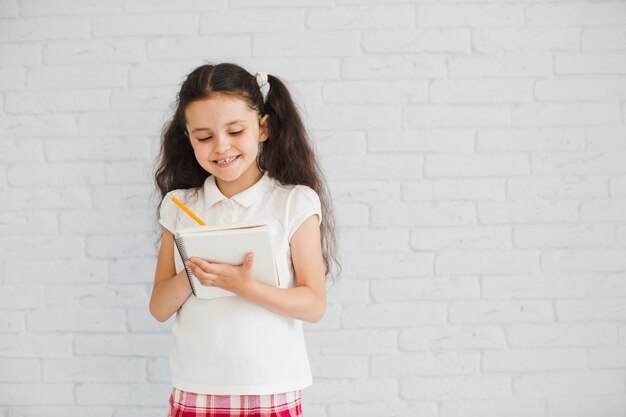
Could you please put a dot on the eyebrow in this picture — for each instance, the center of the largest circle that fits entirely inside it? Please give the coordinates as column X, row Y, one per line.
column 227, row 124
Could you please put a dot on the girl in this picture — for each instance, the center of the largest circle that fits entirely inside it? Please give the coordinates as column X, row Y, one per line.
column 235, row 150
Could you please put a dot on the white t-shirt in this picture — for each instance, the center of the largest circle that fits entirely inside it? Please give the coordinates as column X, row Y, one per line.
column 231, row 345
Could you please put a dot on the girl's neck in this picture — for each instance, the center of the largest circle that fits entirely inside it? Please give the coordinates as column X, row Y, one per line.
column 245, row 181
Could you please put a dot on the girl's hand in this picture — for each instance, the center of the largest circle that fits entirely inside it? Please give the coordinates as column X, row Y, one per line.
column 238, row 279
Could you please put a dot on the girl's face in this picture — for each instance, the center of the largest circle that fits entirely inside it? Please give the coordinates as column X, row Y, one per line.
column 225, row 135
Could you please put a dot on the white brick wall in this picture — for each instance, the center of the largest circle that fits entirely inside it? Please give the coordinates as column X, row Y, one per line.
column 476, row 153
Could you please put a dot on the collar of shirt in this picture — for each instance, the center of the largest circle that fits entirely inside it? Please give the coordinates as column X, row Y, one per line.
column 246, row 198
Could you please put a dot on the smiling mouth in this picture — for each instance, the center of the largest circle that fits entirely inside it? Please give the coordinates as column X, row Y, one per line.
column 226, row 161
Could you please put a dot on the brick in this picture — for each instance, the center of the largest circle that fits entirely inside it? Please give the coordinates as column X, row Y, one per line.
column 422, row 140
column 20, row 54
column 361, row 117
column 553, row 188
column 599, row 309
column 352, row 341
column 360, row 17
column 495, row 407
column 469, row 15
column 338, row 390
column 29, row 345
column 504, row 90
column 86, row 296
column 609, row 406
column 12, row 79
column 145, row 24
column 575, row 14
column 135, row 394
column 32, row 247
column 94, row 369
column 422, row 214
column 56, row 174
column 305, row 44
column 590, row 63
column 425, row 363
column 375, row 92
column 533, row 360
column 606, row 358
column 25, row 150
column 498, row 40
column 403, row 41
column 333, row 143
column 461, row 237
column 56, row 101
column 119, row 246
column 65, row 7
column 252, row 22
column 529, row 211
column 570, row 384
column 20, row 370
column 596, row 89
column 374, row 409
column 601, row 39
column 431, row 288
column 396, row 314
column 76, row 320
column 515, row 65
column 46, row 198
column 603, row 210
column 469, row 387
column 364, row 167
column 553, row 286
column 582, row 162
column 44, row 29
column 59, row 271
column 17, row 223
column 405, row 264
column 439, row 115
column 456, row 337
column 499, row 312
column 140, row 123
column 563, row 235
column 339, row 366
column 352, row 214
column 371, row 240
column 33, row 394
column 142, row 6
column 39, row 126
column 475, row 165
column 551, row 114
column 180, row 49
column 455, row 189
column 390, row 67
column 97, row 149
column 77, row 76
column 584, row 260
column 561, row 334
column 92, row 51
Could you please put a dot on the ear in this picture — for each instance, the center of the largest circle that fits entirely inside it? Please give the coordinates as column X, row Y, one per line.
column 264, row 128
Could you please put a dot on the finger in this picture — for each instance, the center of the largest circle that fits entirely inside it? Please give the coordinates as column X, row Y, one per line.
column 248, row 260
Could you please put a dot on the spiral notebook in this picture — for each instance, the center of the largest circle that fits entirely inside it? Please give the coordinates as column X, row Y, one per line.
column 228, row 243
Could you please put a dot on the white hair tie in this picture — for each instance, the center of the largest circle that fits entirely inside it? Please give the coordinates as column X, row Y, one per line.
column 264, row 85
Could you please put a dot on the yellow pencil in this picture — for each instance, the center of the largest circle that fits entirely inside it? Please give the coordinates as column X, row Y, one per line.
column 186, row 210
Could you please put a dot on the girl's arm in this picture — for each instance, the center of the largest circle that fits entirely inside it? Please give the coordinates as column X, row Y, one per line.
column 306, row 301
column 170, row 290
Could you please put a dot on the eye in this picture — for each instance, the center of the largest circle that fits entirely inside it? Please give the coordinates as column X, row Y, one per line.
column 211, row 137
column 236, row 133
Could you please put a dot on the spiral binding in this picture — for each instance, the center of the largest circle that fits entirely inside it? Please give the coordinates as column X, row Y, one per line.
column 183, row 254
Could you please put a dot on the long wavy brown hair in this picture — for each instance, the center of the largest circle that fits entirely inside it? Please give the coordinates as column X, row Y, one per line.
column 288, row 156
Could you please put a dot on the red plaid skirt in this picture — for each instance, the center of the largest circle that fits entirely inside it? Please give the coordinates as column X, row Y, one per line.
column 189, row 404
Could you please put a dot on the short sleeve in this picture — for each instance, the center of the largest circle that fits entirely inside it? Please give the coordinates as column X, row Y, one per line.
column 167, row 213
column 303, row 202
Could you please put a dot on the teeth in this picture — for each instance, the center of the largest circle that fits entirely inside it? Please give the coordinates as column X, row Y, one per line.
column 226, row 161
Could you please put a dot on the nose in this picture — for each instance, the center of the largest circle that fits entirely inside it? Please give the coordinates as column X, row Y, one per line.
column 222, row 144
